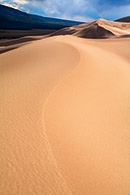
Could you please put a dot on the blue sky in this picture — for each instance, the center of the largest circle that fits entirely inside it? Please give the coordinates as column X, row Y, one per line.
column 82, row 10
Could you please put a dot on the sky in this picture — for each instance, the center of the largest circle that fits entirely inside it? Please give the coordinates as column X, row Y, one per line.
column 79, row 10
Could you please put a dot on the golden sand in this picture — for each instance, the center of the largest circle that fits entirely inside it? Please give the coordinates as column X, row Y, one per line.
column 65, row 118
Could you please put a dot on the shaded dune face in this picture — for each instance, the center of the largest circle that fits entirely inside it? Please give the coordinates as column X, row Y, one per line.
column 95, row 32
column 125, row 19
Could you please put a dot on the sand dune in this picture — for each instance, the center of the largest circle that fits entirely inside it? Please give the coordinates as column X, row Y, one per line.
column 125, row 19
column 97, row 29
column 91, row 124
column 27, row 76
column 7, row 45
column 65, row 108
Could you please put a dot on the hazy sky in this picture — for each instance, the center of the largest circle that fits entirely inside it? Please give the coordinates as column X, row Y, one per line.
column 82, row 10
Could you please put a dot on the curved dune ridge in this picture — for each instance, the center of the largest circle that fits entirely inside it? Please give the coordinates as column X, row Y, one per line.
column 65, row 118
column 89, row 131
column 28, row 74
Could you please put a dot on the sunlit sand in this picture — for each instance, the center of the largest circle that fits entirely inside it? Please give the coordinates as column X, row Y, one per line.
column 65, row 117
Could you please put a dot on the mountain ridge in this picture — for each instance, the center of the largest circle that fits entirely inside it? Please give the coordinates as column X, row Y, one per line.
column 13, row 19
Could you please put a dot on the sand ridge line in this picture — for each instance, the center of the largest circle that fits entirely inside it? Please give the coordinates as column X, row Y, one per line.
column 49, row 95
column 114, row 46
column 92, row 103
column 82, row 43
column 42, row 65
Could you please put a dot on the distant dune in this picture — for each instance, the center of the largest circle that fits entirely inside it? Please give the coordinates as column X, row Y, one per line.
column 10, row 44
column 98, row 29
column 125, row 19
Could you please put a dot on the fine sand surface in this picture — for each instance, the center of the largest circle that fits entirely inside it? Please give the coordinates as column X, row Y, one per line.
column 65, row 117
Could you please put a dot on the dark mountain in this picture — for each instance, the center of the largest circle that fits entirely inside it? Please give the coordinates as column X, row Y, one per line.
column 125, row 19
column 13, row 19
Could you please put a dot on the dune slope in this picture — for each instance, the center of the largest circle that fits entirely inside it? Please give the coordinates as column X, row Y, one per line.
column 65, row 118
column 27, row 75
column 89, row 131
